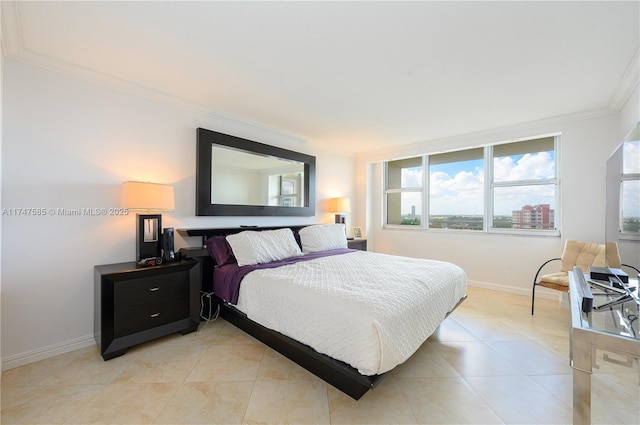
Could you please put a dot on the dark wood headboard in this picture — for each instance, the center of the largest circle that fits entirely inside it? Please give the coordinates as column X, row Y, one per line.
column 208, row 232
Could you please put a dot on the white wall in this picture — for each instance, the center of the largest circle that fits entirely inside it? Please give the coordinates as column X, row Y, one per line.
column 499, row 261
column 69, row 143
column 235, row 185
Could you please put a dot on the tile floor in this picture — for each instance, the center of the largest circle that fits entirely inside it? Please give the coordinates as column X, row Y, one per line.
column 491, row 362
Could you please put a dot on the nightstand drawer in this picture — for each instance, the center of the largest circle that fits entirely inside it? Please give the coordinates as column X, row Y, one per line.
column 360, row 244
column 146, row 316
column 133, row 292
column 134, row 304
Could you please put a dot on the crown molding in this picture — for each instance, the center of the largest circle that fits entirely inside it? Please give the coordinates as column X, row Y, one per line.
column 627, row 85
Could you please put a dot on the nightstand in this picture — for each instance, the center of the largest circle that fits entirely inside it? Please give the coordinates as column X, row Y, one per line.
column 136, row 304
column 360, row 244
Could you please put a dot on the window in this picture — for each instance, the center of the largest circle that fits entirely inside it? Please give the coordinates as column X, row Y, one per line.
column 404, row 191
column 456, row 194
column 289, row 184
column 524, row 185
column 630, row 188
column 509, row 187
column 285, row 190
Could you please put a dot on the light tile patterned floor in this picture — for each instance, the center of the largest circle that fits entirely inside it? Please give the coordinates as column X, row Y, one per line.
column 491, row 362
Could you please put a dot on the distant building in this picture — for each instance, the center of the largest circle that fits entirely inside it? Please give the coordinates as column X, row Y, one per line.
column 533, row 217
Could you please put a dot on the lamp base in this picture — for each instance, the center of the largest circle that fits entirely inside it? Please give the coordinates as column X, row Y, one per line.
column 341, row 219
column 148, row 236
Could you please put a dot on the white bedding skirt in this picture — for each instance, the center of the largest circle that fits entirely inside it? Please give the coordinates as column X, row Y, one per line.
column 369, row 310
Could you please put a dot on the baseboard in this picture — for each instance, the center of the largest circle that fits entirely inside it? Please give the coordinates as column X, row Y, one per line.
column 540, row 292
column 32, row 356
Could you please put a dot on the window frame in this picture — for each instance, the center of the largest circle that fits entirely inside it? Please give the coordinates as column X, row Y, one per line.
column 489, row 186
column 387, row 191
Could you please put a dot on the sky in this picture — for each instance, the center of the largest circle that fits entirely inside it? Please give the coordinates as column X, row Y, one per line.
column 457, row 188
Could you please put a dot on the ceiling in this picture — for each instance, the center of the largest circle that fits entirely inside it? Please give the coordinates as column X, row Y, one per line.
column 361, row 76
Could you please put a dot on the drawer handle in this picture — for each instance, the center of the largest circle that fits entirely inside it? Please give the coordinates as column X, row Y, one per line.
column 154, row 289
column 628, row 362
column 154, row 315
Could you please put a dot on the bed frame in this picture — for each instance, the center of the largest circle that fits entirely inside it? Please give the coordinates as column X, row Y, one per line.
column 335, row 372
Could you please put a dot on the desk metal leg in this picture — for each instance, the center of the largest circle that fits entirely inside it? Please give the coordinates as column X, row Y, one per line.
column 581, row 382
column 581, row 397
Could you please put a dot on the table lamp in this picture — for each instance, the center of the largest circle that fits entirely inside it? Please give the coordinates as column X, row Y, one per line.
column 340, row 206
column 142, row 196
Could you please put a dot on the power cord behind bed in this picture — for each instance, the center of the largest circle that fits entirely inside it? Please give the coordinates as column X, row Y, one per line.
column 212, row 316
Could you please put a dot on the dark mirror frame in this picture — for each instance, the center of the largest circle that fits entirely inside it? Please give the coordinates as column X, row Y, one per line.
column 207, row 138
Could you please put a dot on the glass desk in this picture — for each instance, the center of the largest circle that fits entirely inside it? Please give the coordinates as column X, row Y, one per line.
column 612, row 326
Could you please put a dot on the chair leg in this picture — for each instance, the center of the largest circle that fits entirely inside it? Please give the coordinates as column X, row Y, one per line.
column 535, row 279
column 533, row 297
column 631, row 267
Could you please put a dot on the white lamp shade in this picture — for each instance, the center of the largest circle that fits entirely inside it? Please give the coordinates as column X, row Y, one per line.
column 147, row 196
column 339, row 205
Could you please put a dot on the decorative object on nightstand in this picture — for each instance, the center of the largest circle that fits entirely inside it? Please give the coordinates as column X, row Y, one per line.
column 135, row 304
column 360, row 244
column 168, row 249
column 340, row 206
column 148, row 197
column 357, row 233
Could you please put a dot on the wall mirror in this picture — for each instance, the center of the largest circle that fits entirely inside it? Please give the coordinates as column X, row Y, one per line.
column 240, row 177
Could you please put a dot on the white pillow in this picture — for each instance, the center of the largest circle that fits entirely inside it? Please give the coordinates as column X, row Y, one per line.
column 251, row 247
column 322, row 237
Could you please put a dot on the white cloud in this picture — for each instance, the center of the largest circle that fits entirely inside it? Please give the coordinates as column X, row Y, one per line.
column 460, row 194
column 411, row 177
column 531, row 166
column 508, row 199
column 463, row 193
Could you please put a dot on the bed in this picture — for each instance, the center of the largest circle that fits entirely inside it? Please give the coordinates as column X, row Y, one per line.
column 347, row 316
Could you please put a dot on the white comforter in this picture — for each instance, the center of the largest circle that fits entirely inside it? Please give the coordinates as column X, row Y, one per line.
column 370, row 310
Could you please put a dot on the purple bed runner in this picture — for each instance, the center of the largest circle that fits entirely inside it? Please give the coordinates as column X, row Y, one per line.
column 227, row 278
